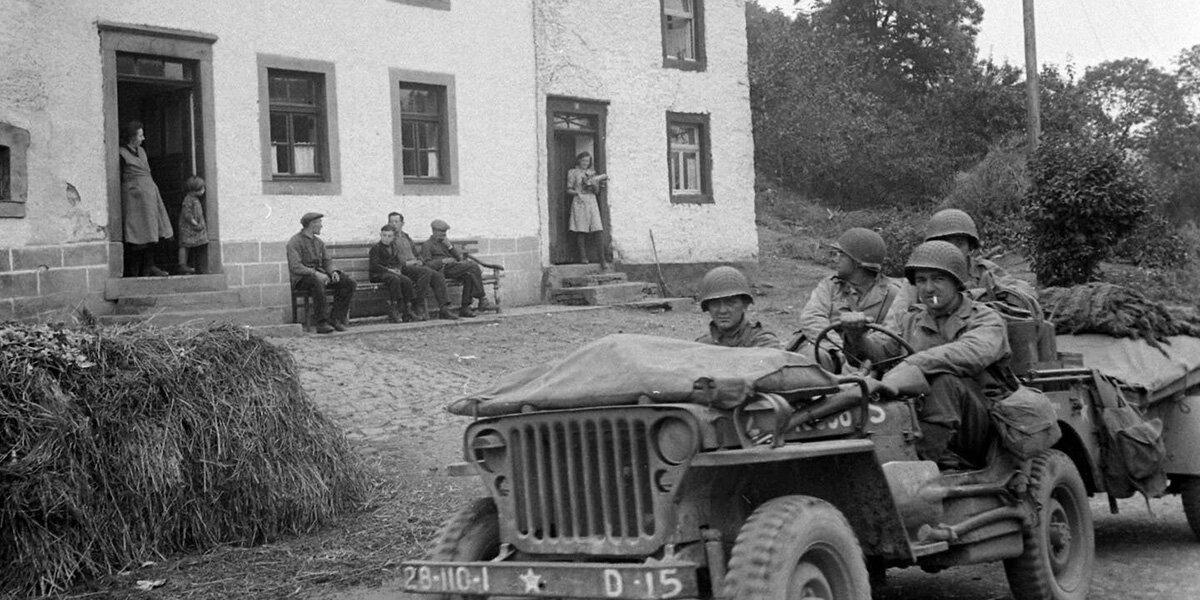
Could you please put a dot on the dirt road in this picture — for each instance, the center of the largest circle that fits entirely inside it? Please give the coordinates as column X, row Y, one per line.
column 388, row 390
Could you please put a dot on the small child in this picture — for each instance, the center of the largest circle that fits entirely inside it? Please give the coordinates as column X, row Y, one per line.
column 193, row 232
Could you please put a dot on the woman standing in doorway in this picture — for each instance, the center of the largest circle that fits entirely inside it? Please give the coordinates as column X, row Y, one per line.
column 145, row 215
column 583, row 183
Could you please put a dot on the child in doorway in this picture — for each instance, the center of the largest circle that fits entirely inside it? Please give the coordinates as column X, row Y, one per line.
column 193, row 232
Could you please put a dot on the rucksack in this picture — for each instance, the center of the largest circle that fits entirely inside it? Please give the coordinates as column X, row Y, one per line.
column 1026, row 422
column 1131, row 446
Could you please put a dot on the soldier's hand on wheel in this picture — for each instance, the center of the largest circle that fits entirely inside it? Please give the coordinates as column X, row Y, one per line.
column 852, row 323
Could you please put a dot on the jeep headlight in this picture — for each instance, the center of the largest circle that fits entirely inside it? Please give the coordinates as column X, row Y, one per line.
column 489, row 450
column 675, row 440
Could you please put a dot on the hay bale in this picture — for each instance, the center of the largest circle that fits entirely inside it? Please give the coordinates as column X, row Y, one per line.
column 124, row 444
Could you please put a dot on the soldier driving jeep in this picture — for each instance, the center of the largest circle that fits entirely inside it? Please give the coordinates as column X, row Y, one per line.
column 956, row 342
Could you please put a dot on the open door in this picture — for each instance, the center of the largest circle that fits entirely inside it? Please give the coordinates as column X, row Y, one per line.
column 574, row 126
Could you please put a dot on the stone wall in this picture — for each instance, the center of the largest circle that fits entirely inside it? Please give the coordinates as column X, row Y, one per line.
column 51, row 282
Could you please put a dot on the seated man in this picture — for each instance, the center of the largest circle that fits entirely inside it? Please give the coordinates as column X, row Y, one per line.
column 384, row 266
column 985, row 279
column 725, row 295
column 440, row 255
column 311, row 268
column 857, row 286
column 957, row 341
column 423, row 277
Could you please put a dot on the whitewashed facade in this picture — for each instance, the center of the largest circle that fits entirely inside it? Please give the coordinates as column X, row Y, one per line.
column 200, row 76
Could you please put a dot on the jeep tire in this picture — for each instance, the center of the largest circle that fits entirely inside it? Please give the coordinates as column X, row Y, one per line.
column 470, row 534
column 797, row 547
column 1060, row 552
column 1189, row 492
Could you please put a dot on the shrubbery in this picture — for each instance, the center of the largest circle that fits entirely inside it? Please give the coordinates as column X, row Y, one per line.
column 1083, row 200
column 992, row 192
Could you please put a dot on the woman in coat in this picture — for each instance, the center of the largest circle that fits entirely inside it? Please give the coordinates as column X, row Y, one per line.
column 145, row 215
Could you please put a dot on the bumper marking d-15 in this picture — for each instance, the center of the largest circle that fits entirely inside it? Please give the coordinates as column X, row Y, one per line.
column 658, row 581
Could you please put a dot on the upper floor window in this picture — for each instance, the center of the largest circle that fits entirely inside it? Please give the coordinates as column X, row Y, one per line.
column 298, row 126
column 422, row 118
column 683, row 34
column 424, row 132
column 296, row 116
column 688, row 158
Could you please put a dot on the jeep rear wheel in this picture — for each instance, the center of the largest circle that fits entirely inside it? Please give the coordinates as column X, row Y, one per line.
column 472, row 533
column 794, row 548
column 1060, row 548
column 1189, row 491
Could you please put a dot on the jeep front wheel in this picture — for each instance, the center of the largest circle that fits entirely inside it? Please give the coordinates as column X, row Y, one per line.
column 797, row 547
column 1189, row 491
column 472, row 533
column 1060, row 548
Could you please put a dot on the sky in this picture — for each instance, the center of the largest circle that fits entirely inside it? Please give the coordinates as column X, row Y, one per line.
column 1082, row 32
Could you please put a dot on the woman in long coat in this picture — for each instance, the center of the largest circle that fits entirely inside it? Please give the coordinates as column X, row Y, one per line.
column 145, row 215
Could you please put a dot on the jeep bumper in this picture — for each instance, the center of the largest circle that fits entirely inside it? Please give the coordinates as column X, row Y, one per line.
column 659, row 580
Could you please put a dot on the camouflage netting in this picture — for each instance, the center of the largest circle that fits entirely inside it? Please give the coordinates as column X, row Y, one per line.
column 1117, row 311
column 125, row 444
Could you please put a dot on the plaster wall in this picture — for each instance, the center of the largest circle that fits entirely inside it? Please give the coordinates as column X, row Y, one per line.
column 577, row 53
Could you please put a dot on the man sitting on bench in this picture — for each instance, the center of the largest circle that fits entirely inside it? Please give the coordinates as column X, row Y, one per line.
column 383, row 266
column 311, row 268
column 439, row 254
column 423, row 277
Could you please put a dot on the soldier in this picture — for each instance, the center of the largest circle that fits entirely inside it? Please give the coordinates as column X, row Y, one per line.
column 725, row 295
column 957, row 342
column 857, row 286
column 985, row 279
column 311, row 268
column 440, row 255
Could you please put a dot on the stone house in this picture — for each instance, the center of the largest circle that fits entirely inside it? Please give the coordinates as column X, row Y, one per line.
column 463, row 110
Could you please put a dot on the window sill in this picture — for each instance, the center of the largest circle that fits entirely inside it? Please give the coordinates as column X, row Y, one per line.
column 685, row 65
column 301, row 187
column 422, row 187
column 12, row 210
column 692, row 199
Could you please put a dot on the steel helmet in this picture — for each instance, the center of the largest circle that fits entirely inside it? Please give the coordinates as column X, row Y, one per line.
column 941, row 256
column 863, row 245
column 723, row 282
column 949, row 222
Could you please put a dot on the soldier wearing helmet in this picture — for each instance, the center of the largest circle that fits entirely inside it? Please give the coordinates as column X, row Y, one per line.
column 725, row 296
column 956, row 340
column 857, row 286
column 984, row 279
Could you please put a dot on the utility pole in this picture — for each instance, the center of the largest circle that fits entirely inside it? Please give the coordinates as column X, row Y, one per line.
column 1032, row 91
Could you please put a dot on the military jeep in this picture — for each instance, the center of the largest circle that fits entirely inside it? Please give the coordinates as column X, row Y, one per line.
column 767, row 477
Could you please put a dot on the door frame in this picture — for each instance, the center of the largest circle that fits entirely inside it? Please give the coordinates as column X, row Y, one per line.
column 173, row 43
column 557, row 233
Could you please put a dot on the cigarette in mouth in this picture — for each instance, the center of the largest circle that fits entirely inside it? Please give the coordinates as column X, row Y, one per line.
column 935, row 299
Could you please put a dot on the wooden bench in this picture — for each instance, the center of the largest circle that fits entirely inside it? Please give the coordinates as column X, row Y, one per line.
column 371, row 299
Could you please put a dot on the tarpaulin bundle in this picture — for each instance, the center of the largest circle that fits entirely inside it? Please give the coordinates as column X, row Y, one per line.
column 630, row 369
column 1113, row 310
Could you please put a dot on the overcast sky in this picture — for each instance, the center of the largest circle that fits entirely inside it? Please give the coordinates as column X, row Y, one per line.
column 1083, row 32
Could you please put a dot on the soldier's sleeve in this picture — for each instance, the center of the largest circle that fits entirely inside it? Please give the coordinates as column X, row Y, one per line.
column 814, row 317
column 984, row 343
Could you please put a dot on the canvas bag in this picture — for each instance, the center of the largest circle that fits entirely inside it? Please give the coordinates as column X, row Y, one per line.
column 1132, row 447
column 1026, row 422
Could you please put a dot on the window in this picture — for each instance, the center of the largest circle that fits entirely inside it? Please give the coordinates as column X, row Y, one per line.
column 688, row 159
column 5, row 169
column 14, row 147
column 298, row 126
column 683, row 34
column 424, row 132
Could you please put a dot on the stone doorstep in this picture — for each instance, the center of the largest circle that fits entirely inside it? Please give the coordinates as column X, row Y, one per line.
column 617, row 293
column 133, row 305
column 116, row 288
column 594, row 279
column 554, row 275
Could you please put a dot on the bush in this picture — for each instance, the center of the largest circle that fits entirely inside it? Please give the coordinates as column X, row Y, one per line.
column 992, row 192
column 1083, row 200
column 123, row 445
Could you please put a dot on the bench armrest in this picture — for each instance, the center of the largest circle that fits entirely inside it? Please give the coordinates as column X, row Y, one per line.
column 483, row 264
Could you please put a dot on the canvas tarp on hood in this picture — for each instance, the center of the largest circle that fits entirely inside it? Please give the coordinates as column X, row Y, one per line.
column 629, row 368
column 1137, row 363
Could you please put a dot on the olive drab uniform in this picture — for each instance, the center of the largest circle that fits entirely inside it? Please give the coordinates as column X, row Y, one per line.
column 956, row 354
column 884, row 303
column 747, row 335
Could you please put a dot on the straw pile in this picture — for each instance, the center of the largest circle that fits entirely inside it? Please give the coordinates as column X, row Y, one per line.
column 122, row 445
column 1114, row 310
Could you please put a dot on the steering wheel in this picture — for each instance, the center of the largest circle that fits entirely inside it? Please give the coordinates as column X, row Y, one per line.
column 878, row 368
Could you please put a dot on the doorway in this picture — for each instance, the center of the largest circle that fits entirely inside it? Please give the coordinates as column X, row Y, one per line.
column 574, row 126
column 162, row 78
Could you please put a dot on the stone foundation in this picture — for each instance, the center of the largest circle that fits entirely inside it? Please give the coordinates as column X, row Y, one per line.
column 50, row 283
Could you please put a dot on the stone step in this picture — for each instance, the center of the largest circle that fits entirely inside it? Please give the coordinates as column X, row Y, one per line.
column 552, row 277
column 136, row 305
column 606, row 295
column 119, row 287
column 258, row 315
column 594, row 279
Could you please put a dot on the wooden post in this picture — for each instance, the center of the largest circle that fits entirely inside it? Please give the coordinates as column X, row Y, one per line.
column 1032, row 86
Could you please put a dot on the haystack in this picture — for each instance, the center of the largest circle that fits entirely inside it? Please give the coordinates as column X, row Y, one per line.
column 119, row 445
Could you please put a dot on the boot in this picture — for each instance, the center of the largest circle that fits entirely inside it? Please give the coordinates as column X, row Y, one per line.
column 466, row 312
column 485, row 305
column 419, row 312
column 183, row 269
column 407, row 316
column 393, row 315
column 445, row 314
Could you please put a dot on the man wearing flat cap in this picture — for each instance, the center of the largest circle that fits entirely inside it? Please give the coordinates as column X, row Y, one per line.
column 311, row 269
column 440, row 255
